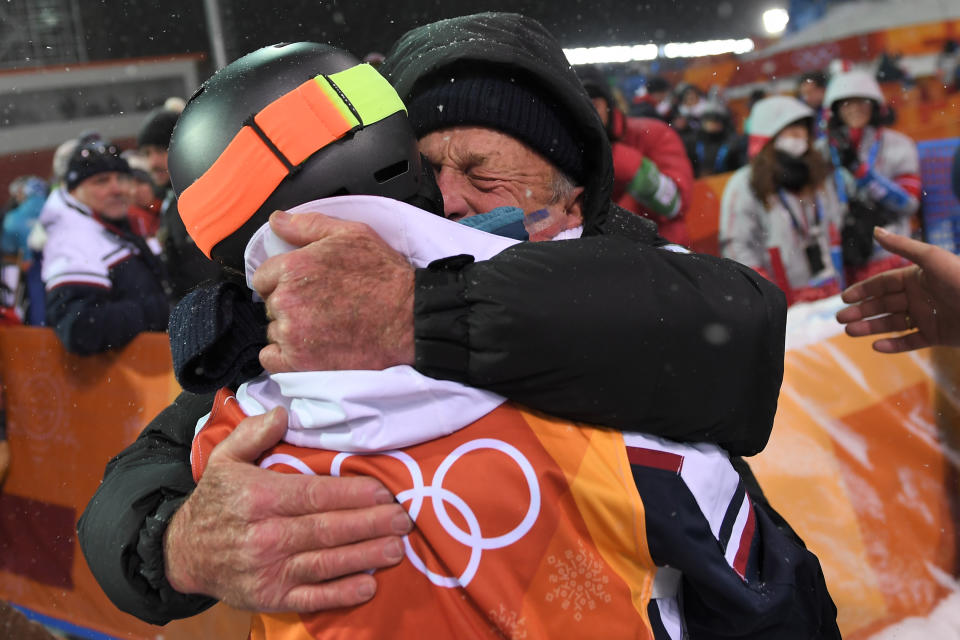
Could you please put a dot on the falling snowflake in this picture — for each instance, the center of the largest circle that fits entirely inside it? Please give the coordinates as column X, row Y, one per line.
column 507, row 623
column 580, row 581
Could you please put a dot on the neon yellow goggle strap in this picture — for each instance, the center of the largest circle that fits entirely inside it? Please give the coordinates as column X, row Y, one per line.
column 368, row 92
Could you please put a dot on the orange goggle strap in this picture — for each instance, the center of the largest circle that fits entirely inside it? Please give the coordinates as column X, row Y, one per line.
column 276, row 141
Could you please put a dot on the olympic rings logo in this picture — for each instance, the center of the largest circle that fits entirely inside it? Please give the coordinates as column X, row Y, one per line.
column 815, row 57
column 473, row 537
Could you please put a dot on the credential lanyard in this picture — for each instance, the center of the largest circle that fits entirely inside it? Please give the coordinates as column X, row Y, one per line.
column 838, row 175
column 795, row 220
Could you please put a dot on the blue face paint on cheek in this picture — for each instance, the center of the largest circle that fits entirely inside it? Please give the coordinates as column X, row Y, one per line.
column 537, row 216
column 538, row 222
column 502, row 221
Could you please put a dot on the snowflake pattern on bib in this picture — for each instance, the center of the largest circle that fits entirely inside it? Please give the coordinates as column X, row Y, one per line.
column 580, row 581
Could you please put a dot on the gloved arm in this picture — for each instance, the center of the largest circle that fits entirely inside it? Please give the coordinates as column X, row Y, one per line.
column 216, row 334
column 899, row 195
column 87, row 320
column 644, row 182
column 890, row 194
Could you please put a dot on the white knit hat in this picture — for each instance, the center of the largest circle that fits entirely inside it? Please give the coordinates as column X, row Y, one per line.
column 853, row 84
column 772, row 115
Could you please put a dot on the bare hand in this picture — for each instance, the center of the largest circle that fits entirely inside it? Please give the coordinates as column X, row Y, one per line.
column 266, row 541
column 344, row 300
column 924, row 296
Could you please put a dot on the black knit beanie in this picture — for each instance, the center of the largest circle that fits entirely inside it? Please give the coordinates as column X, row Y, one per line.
column 157, row 128
column 92, row 158
column 512, row 107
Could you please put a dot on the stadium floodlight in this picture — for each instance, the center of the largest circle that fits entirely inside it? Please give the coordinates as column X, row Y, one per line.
column 600, row 55
column 631, row 53
column 707, row 48
column 775, row 21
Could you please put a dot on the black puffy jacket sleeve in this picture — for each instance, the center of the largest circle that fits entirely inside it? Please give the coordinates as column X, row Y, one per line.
column 614, row 332
column 121, row 530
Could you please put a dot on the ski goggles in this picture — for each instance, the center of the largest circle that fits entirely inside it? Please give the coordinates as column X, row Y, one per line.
column 275, row 142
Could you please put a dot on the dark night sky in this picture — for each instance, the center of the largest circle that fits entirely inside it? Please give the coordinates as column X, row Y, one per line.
column 146, row 28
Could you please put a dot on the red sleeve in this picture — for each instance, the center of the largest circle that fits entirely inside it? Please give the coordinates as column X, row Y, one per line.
column 911, row 183
column 659, row 142
column 626, row 163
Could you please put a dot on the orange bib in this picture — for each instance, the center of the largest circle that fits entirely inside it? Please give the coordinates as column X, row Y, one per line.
column 526, row 527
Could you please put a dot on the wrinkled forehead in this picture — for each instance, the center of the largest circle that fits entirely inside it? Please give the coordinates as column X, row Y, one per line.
column 483, row 147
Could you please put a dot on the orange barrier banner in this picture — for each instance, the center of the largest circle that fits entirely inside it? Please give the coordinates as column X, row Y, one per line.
column 863, row 462
column 703, row 215
column 67, row 416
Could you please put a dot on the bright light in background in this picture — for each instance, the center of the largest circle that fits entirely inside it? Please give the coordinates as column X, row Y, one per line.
column 775, row 21
column 706, row 48
column 600, row 55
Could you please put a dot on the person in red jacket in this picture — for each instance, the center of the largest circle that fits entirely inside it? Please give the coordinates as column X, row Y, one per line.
column 653, row 176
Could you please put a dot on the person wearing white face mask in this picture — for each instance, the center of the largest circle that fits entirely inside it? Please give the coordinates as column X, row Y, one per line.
column 780, row 214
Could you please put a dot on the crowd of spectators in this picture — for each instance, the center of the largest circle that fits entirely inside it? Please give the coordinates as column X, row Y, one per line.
column 809, row 190
column 95, row 249
column 663, row 138
column 99, row 251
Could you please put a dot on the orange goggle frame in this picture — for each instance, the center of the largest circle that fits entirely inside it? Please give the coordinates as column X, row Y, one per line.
column 280, row 137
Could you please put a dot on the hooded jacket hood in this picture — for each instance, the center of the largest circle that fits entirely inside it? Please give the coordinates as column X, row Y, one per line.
column 515, row 46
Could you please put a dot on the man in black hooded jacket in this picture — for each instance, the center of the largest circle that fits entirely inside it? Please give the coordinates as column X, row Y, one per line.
column 637, row 343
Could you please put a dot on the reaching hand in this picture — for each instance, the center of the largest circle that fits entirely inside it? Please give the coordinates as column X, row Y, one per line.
column 343, row 300
column 266, row 541
column 924, row 296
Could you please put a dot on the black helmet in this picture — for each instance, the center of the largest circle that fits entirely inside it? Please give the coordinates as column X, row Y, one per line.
column 339, row 129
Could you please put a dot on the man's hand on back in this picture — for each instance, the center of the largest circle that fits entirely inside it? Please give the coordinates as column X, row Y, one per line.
column 344, row 300
column 266, row 541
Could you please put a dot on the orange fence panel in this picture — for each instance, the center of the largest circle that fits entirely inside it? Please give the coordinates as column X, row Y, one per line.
column 921, row 39
column 703, row 216
column 863, row 463
column 67, row 416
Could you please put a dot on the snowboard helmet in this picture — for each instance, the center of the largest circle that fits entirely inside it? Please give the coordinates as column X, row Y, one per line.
column 772, row 115
column 284, row 125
